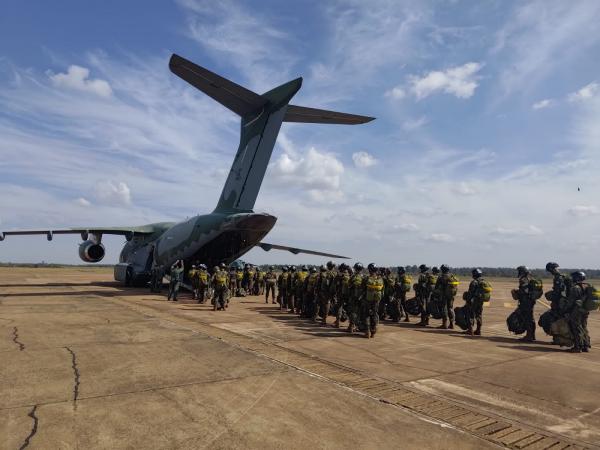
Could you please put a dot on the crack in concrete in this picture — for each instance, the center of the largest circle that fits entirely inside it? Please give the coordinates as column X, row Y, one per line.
column 33, row 428
column 76, row 375
column 16, row 339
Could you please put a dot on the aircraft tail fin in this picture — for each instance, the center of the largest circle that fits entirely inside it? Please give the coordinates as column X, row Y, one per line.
column 262, row 116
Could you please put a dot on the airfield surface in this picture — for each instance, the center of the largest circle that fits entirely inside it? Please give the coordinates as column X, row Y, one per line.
column 89, row 364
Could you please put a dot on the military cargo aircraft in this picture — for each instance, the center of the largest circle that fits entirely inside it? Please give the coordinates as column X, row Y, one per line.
column 233, row 228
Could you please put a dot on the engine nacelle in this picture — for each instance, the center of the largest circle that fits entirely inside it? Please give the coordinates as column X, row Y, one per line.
column 91, row 252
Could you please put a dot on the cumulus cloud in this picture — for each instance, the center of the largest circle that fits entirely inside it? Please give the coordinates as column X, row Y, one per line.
column 110, row 192
column 542, row 104
column 460, row 81
column 413, row 124
column 463, row 188
column 441, row 237
column 318, row 172
column 363, row 160
column 405, row 227
column 585, row 93
column 83, row 202
column 583, row 210
column 396, row 93
column 530, row 230
column 77, row 78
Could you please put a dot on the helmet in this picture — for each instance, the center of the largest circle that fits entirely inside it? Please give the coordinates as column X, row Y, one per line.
column 387, row 271
column 203, row 266
column 551, row 266
column 293, row 268
column 358, row 267
column 423, row 268
column 435, row 270
column 349, row 270
column 401, row 270
column 304, row 267
column 577, row 277
column 372, row 267
column 476, row 273
column 313, row 269
column 216, row 269
column 271, row 267
column 246, row 266
column 323, row 268
column 330, row 265
column 445, row 268
column 222, row 265
column 193, row 266
column 523, row 270
column 284, row 268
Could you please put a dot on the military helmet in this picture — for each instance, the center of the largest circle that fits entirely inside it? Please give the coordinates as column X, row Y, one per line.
column 372, row 267
column 445, row 268
column 284, row 268
column 293, row 268
column 304, row 268
column 330, row 265
column 523, row 270
column 551, row 266
column 222, row 265
column 216, row 268
column 578, row 276
column 423, row 268
column 313, row 269
column 435, row 270
column 476, row 273
column 349, row 270
column 323, row 268
column 271, row 267
column 401, row 270
column 203, row 266
column 193, row 266
column 358, row 267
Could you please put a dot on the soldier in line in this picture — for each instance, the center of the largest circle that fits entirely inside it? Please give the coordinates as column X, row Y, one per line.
column 309, row 299
column 202, row 283
column 477, row 293
column 527, row 297
column 260, row 281
column 423, row 292
column 300, row 278
column 291, row 289
column 355, row 298
column 232, row 281
column 192, row 273
column 220, row 281
column 343, row 293
column 270, row 283
column 156, row 279
column 372, row 294
column 176, row 275
column 402, row 288
column 322, row 294
column 282, row 288
column 446, row 287
column 559, row 295
column 577, row 314
column 388, row 304
column 250, row 274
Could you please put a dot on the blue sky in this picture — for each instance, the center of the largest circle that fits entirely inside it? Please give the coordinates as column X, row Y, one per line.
column 487, row 123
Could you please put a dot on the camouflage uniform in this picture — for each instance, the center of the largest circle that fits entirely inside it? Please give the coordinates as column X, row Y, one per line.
column 260, row 281
column 577, row 317
column 372, row 294
column 390, row 304
column 402, row 287
column 192, row 276
column 239, row 282
column 309, row 299
column 446, row 287
column 474, row 299
column 323, row 294
column 282, row 283
column 343, row 296
column 355, row 301
column 300, row 276
column 291, row 289
column 176, row 274
column 526, row 305
column 202, row 277
column 423, row 290
column 270, row 283
column 250, row 283
column 220, row 281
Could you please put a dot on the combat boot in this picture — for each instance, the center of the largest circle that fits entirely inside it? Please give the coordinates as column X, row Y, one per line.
column 469, row 331
column 451, row 326
column 478, row 330
column 444, row 325
column 336, row 324
column 407, row 318
column 368, row 333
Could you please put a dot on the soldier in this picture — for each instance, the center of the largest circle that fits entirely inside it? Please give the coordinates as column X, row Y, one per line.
column 157, row 279
column 446, row 287
column 192, row 276
column 260, row 281
column 355, row 298
column 388, row 304
column 176, row 276
column 479, row 291
column 202, row 277
column 220, row 281
column 291, row 288
column 527, row 294
column 322, row 294
column 559, row 295
column 300, row 277
column 332, row 278
column 577, row 315
column 402, row 287
column 372, row 294
column 309, row 300
column 282, row 288
column 423, row 290
column 343, row 293
column 270, row 282
column 250, row 282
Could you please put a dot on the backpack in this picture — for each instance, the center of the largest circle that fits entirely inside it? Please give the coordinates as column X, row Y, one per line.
column 536, row 288
column 453, row 285
column 547, row 319
column 486, row 290
column 591, row 301
column 434, row 308
column 515, row 322
column 460, row 317
column 561, row 330
column 413, row 307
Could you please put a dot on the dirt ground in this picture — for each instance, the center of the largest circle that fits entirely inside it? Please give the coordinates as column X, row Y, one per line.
column 86, row 363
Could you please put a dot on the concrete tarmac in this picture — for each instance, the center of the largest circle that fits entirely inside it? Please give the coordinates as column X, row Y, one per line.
column 86, row 363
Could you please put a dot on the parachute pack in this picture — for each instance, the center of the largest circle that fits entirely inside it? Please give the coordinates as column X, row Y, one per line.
column 413, row 307
column 453, row 285
column 591, row 301
column 486, row 290
column 516, row 323
column 547, row 319
column 562, row 332
column 536, row 288
column 460, row 317
column 435, row 309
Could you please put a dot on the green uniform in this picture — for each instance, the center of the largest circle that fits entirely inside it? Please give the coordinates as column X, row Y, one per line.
column 282, row 283
column 372, row 294
column 323, row 295
column 176, row 276
column 220, row 282
column 446, row 287
column 291, row 290
column 474, row 297
column 343, row 296
column 577, row 317
column 270, row 283
column 239, row 283
column 402, row 287
column 425, row 285
column 309, row 299
column 355, row 301
column 202, row 277
column 260, row 281
column 526, row 304
column 391, row 303
column 299, row 278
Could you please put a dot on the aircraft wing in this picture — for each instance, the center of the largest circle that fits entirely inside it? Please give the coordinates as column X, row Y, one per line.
column 266, row 247
column 303, row 114
column 128, row 232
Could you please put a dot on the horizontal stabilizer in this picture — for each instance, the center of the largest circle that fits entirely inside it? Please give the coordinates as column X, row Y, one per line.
column 312, row 115
column 238, row 99
column 266, row 247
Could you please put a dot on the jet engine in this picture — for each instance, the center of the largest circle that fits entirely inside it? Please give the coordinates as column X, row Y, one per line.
column 91, row 252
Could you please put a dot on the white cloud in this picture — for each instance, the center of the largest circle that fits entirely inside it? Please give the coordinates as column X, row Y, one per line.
column 77, row 78
column 529, row 230
column 583, row 210
column 463, row 188
column 110, row 192
column 441, row 237
column 413, row 124
column 396, row 93
column 543, row 104
column 585, row 93
column 405, row 227
column 83, row 202
column 460, row 81
column 363, row 160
